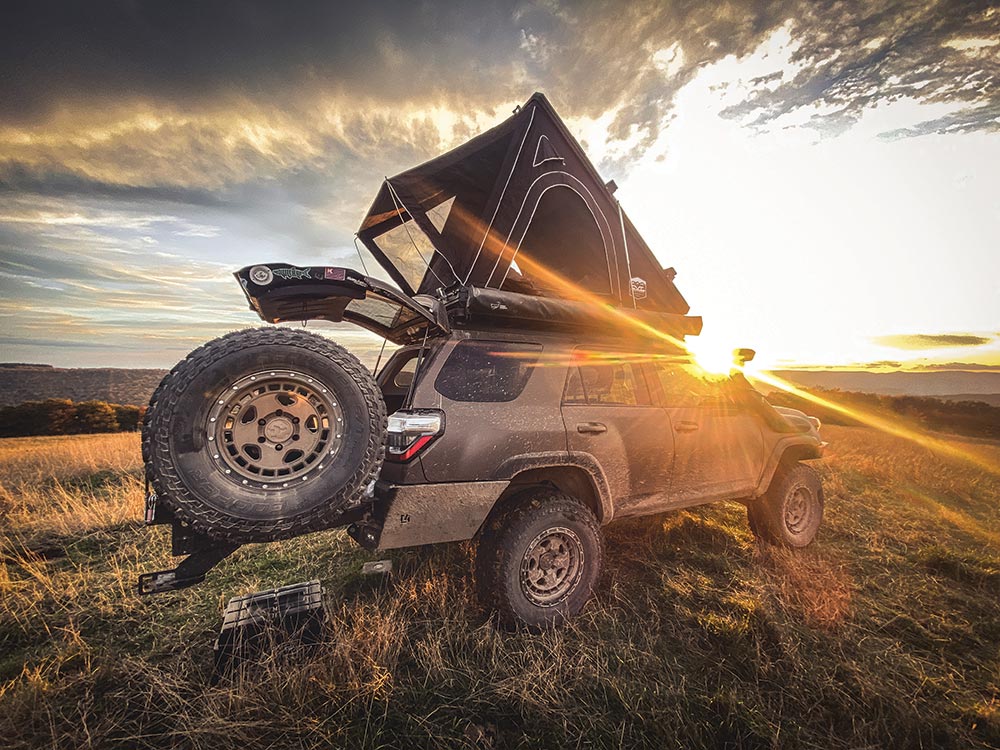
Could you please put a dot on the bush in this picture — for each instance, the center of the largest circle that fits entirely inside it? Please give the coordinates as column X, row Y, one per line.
column 94, row 416
column 129, row 417
column 55, row 416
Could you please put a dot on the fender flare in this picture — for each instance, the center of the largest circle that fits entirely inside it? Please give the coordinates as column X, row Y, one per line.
column 560, row 460
column 800, row 446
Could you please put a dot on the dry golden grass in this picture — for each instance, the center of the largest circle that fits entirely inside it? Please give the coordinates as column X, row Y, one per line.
column 67, row 485
column 885, row 633
column 40, row 459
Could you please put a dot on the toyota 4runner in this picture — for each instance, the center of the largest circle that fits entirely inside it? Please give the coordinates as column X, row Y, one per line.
column 540, row 390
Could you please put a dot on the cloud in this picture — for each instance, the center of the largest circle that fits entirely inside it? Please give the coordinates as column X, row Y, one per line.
column 165, row 68
column 880, row 365
column 147, row 149
column 216, row 107
column 965, row 366
column 930, row 340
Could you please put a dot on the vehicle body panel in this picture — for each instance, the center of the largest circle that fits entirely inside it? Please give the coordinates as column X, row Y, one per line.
column 481, row 436
column 432, row 513
column 719, row 452
column 634, row 448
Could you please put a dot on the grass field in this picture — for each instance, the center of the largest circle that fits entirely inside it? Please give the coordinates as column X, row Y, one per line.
column 886, row 633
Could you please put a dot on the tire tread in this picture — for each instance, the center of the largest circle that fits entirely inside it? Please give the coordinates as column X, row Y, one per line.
column 168, row 485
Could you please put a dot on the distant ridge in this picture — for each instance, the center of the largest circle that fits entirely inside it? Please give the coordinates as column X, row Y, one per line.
column 28, row 382
column 20, row 382
column 993, row 399
column 943, row 384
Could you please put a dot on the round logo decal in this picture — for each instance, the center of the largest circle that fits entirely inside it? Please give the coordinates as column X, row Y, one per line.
column 261, row 275
column 638, row 288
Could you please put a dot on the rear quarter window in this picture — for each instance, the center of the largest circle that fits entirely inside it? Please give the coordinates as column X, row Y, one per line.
column 487, row 371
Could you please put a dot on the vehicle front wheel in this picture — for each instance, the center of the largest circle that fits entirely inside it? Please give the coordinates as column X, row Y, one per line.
column 791, row 511
column 538, row 561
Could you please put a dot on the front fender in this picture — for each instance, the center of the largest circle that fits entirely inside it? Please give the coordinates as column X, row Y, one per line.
column 797, row 447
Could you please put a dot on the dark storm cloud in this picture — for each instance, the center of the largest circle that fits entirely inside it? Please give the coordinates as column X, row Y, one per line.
column 195, row 52
column 917, row 341
column 590, row 57
column 20, row 179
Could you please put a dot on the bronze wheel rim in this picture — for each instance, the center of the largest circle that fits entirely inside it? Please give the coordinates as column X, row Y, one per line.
column 552, row 566
column 799, row 509
column 274, row 429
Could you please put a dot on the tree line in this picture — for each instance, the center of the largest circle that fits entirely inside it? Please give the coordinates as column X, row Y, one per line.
column 970, row 418
column 57, row 416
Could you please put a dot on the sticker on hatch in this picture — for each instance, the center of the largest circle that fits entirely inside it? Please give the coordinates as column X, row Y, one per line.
column 292, row 273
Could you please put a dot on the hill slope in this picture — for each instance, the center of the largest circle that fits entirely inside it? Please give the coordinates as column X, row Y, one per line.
column 941, row 384
column 20, row 383
column 882, row 634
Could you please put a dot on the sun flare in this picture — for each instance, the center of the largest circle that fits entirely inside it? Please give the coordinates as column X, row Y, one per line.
column 712, row 358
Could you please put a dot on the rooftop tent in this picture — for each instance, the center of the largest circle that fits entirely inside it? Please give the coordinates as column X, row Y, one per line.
column 518, row 208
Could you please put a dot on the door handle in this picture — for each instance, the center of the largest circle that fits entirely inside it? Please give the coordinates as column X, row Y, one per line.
column 592, row 427
column 686, row 426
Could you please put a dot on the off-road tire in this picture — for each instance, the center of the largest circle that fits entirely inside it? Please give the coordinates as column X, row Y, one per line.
column 791, row 511
column 505, row 544
column 191, row 480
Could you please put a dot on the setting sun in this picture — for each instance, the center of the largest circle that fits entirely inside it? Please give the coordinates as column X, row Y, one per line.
column 712, row 358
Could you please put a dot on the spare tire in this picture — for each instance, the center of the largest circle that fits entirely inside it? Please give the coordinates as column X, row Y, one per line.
column 264, row 434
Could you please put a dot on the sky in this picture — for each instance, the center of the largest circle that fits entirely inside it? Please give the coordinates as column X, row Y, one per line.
column 825, row 178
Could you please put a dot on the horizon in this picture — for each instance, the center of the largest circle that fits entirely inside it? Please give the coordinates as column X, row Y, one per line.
column 823, row 180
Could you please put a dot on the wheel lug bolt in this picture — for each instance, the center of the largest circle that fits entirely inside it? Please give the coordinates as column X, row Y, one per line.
column 261, row 439
column 295, row 420
column 278, row 413
column 295, row 437
column 262, row 422
column 278, row 447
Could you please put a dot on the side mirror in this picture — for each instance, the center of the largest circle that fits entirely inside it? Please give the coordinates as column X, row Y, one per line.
column 742, row 356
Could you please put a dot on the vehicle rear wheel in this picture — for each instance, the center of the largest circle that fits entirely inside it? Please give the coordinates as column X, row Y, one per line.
column 791, row 511
column 538, row 561
column 264, row 434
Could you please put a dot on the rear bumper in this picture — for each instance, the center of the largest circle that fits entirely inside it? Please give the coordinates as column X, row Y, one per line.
column 419, row 514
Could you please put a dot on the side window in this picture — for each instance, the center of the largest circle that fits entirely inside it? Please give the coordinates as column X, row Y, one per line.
column 683, row 385
column 487, row 371
column 574, row 393
column 404, row 376
column 606, row 385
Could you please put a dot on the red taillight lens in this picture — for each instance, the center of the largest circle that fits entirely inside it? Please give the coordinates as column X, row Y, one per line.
column 410, row 433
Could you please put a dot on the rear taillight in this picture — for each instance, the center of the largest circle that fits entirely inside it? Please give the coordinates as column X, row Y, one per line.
column 410, row 433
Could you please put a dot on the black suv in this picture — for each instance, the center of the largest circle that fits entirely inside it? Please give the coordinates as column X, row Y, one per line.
column 541, row 388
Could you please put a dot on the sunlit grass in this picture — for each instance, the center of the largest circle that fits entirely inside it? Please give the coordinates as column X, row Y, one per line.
column 883, row 634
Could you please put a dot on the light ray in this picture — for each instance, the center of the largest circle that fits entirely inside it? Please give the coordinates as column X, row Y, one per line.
column 888, row 426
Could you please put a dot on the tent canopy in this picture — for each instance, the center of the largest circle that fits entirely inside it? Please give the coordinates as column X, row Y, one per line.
column 518, row 208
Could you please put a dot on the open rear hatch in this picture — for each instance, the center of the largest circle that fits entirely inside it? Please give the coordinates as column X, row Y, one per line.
column 279, row 292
